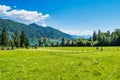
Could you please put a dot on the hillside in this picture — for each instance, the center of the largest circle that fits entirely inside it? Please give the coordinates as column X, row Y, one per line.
column 50, row 32
column 32, row 30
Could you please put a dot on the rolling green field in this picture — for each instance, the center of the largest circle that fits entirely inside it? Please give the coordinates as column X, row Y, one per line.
column 60, row 63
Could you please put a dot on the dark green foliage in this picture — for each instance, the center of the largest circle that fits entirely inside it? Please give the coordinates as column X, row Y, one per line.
column 114, row 39
column 27, row 43
column 118, row 40
column 107, row 39
column 63, row 43
column 4, row 37
column 22, row 39
column 11, row 43
column 80, row 42
column 16, row 39
column 94, row 36
column 101, row 39
column 89, row 43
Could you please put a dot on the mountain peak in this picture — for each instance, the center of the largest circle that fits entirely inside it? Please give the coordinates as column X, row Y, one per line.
column 33, row 24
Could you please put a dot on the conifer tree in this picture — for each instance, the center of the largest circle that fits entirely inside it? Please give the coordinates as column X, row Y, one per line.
column 27, row 42
column 16, row 39
column 4, row 39
column 94, row 36
column 22, row 39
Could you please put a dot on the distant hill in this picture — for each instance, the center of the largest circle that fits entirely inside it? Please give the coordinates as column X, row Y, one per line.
column 32, row 30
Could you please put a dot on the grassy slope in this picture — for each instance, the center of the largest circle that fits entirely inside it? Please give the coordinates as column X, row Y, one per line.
column 42, row 65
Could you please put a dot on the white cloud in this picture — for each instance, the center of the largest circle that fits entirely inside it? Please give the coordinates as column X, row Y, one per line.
column 78, row 32
column 3, row 9
column 23, row 16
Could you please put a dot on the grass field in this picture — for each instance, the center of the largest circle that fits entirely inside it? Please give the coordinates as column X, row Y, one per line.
column 60, row 63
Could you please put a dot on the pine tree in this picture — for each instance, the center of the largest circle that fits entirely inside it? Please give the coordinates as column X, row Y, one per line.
column 16, row 39
column 27, row 42
column 94, row 36
column 22, row 39
column 4, row 38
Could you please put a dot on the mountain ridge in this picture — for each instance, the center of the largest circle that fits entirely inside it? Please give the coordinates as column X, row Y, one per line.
column 51, row 31
column 33, row 30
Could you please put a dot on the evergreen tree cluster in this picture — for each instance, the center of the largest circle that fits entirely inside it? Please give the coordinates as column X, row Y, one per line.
column 15, row 40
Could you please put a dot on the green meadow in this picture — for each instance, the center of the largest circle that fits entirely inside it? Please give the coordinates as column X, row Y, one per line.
column 60, row 63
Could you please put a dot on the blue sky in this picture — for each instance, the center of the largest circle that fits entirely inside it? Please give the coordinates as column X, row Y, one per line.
column 80, row 17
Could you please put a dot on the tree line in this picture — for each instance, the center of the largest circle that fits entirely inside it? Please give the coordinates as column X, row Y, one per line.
column 15, row 40
column 97, row 39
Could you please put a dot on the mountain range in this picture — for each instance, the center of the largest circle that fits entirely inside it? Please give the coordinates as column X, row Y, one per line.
column 34, row 31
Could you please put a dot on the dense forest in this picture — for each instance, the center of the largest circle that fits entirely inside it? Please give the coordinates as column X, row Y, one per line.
column 98, row 39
